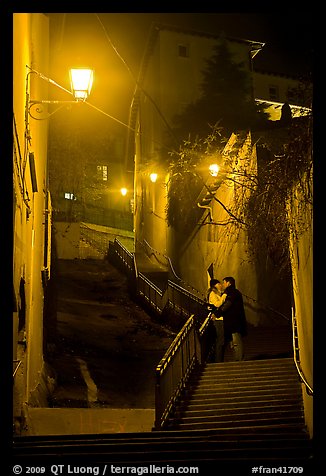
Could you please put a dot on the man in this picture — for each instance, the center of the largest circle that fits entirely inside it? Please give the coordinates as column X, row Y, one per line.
column 216, row 298
column 234, row 318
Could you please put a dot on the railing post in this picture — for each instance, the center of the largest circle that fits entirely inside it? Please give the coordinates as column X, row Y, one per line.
column 158, row 410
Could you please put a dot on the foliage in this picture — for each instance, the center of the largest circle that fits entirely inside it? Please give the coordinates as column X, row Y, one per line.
column 186, row 179
column 76, row 148
column 260, row 196
column 226, row 98
column 285, row 162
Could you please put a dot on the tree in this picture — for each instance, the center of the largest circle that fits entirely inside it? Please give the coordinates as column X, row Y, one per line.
column 226, row 105
column 259, row 206
column 226, row 99
column 77, row 147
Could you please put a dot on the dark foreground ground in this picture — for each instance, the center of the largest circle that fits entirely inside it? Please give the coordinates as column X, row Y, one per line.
column 104, row 347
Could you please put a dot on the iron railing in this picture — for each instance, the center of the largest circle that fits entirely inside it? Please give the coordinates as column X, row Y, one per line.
column 174, row 370
column 175, row 296
column 296, row 355
column 152, row 295
column 206, row 337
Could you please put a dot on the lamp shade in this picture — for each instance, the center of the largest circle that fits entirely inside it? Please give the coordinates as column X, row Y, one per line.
column 81, row 80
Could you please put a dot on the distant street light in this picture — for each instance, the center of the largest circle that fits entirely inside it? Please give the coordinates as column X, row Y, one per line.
column 153, row 177
column 214, row 169
column 123, row 191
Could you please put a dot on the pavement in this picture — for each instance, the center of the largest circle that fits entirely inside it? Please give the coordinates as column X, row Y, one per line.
column 78, row 421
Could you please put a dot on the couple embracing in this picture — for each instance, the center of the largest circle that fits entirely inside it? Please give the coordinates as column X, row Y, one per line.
column 228, row 315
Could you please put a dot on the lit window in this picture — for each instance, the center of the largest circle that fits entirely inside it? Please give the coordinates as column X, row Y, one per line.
column 69, row 196
column 102, row 172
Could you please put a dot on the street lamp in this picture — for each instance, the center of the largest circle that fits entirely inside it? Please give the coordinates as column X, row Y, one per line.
column 81, row 80
column 153, row 177
column 214, row 169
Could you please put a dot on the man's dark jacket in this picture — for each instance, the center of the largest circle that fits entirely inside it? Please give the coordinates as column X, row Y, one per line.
column 233, row 313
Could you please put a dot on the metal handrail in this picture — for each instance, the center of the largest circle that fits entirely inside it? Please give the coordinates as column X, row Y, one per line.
column 206, row 339
column 151, row 293
column 169, row 261
column 174, row 294
column 174, row 370
column 296, row 355
column 17, row 364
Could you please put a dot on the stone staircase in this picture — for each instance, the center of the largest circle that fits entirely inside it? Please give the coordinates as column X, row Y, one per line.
column 232, row 414
column 251, row 394
column 253, row 406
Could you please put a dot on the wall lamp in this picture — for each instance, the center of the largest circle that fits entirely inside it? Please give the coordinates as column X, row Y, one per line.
column 81, row 81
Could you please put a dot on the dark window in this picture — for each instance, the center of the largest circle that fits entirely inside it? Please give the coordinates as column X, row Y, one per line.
column 273, row 93
column 183, row 51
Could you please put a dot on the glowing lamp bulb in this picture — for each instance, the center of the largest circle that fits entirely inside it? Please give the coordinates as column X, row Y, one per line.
column 81, row 81
column 213, row 170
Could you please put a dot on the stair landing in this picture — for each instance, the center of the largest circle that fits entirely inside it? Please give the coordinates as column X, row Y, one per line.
column 265, row 342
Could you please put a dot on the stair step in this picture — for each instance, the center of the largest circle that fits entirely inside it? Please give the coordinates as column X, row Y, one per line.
column 239, row 403
column 240, row 373
column 240, row 415
column 252, row 397
column 235, row 400
column 157, row 435
column 284, row 361
column 224, row 423
column 242, row 382
column 291, row 453
column 244, row 366
column 213, row 412
column 256, row 443
column 271, row 431
column 237, row 372
column 224, row 392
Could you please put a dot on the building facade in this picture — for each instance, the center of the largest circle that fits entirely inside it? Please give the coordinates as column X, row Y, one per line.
column 170, row 78
column 31, row 213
